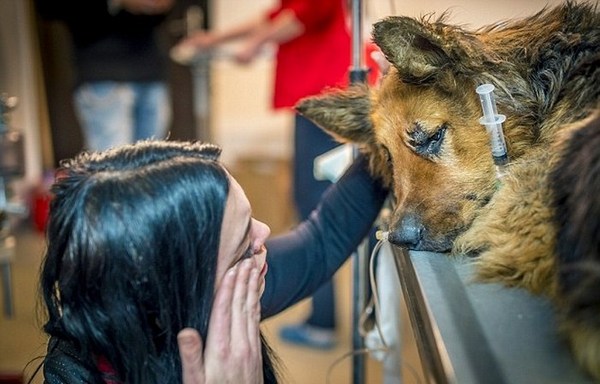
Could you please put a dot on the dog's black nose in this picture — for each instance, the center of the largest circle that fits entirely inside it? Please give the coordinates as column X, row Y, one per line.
column 408, row 233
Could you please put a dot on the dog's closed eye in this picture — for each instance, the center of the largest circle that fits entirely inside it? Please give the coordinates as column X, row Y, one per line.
column 428, row 145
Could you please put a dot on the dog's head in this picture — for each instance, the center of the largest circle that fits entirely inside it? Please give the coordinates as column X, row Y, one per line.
column 430, row 151
column 421, row 127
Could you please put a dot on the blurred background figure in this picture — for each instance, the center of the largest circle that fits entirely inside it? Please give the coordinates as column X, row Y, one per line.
column 121, row 93
column 313, row 53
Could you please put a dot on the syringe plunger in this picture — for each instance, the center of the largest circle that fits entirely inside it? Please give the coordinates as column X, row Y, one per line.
column 493, row 123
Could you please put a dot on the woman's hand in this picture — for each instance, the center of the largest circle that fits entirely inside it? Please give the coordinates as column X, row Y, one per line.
column 233, row 349
column 186, row 50
column 200, row 41
column 248, row 52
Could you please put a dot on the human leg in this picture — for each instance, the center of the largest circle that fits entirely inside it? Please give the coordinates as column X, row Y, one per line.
column 152, row 110
column 310, row 141
column 104, row 112
column 318, row 330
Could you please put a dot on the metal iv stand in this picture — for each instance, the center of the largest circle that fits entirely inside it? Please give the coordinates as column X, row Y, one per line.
column 360, row 270
column 201, row 78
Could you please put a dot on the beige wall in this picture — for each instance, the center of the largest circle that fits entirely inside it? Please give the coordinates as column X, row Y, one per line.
column 474, row 13
column 243, row 121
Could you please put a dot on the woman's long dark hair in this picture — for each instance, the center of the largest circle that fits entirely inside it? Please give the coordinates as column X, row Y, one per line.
column 133, row 237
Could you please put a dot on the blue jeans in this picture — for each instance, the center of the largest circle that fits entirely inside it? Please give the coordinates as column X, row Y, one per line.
column 115, row 113
column 311, row 141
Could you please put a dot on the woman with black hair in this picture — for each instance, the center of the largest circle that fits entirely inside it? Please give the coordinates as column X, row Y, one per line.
column 151, row 238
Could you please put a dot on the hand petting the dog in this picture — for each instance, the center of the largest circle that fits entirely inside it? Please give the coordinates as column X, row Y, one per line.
column 232, row 353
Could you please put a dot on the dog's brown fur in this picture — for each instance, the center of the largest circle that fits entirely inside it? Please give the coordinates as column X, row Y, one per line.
column 575, row 186
column 421, row 129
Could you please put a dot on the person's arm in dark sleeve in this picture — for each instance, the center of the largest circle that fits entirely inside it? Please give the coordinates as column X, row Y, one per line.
column 306, row 257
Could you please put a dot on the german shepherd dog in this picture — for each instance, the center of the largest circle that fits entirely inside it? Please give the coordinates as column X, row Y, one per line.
column 537, row 227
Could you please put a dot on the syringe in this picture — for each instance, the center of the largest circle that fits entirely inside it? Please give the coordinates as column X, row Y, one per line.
column 493, row 124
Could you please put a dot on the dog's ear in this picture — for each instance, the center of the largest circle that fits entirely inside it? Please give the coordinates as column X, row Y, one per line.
column 342, row 113
column 427, row 52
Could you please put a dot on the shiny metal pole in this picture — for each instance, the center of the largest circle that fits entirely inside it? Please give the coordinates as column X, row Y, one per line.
column 358, row 72
column 201, row 78
column 360, row 260
column 360, row 288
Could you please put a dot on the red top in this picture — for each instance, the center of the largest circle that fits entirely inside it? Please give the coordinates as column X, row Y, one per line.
column 107, row 369
column 319, row 58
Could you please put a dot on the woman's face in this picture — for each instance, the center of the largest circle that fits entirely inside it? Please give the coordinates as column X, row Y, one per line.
column 242, row 236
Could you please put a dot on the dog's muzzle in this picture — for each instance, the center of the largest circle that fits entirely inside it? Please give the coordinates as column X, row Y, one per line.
column 408, row 233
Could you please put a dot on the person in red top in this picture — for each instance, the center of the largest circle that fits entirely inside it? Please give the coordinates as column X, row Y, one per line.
column 317, row 58
column 313, row 54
